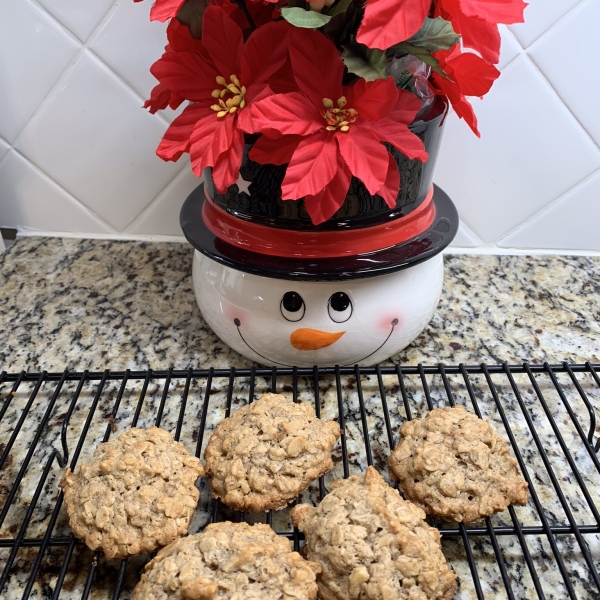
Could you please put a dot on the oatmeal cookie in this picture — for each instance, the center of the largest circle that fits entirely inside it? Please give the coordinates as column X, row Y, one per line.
column 229, row 561
column 268, row 452
column 373, row 545
column 455, row 466
column 136, row 494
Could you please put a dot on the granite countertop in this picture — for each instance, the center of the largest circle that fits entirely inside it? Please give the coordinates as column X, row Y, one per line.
column 109, row 304
column 96, row 304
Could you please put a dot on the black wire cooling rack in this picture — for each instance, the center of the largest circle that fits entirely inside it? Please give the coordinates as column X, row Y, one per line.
column 547, row 549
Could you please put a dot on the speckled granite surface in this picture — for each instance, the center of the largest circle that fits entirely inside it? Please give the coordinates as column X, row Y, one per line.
column 90, row 304
column 107, row 304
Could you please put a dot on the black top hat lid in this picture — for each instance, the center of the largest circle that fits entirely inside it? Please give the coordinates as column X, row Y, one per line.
column 401, row 256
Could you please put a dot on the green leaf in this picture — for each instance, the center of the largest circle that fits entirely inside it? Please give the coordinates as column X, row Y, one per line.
column 422, row 54
column 308, row 19
column 436, row 34
column 370, row 68
column 340, row 7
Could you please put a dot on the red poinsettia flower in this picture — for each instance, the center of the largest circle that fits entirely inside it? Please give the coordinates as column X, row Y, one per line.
column 477, row 22
column 221, row 77
column 180, row 40
column 327, row 133
column 387, row 22
column 470, row 75
column 164, row 9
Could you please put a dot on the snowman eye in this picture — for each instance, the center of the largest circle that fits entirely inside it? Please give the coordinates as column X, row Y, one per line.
column 292, row 306
column 339, row 307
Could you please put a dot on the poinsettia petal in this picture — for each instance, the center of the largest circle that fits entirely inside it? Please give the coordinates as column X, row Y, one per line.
column 406, row 108
column 495, row 11
column 227, row 166
column 211, row 137
column 274, row 151
column 477, row 34
column 401, row 137
column 176, row 140
column 373, row 99
column 160, row 98
column 224, row 40
column 181, row 40
column 288, row 114
column 317, row 65
column 165, row 9
column 325, row 204
column 460, row 104
column 265, row 52
column 389, row 190
column 187, row 74
column 365, row 155
column 387, row 22
column 255, row 93
column 312, row 167
column 474, row 75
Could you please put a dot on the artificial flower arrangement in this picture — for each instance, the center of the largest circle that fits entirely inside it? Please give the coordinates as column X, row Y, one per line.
column 325, row 87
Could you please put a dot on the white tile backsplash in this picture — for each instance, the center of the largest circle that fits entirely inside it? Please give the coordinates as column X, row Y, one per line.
column 576, row 80
column 31, row 199
column 570, row 223
column 74, row 73
column 111, row 169
column 81, row 17
column 34, row 51
column 528, row 155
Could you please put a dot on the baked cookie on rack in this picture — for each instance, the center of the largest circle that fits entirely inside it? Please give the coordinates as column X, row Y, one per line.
column 229, row 561
column 268, row 452
column 136, row 494
column 370, row 543
column 455, row 466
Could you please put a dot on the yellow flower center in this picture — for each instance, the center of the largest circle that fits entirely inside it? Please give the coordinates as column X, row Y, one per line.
column 340, row 118
column 230, row 96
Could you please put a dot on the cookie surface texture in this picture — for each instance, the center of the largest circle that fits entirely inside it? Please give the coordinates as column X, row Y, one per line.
column 373, row 545
column 229, row 561
column 136, row 494
column 455, row 466
column 268, row 452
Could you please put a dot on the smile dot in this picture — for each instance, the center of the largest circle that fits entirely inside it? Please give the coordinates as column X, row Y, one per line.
column 237, row 322
column 395, row 322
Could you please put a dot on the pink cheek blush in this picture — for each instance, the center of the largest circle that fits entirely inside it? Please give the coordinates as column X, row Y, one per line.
column 234, row 314
column 385, row 323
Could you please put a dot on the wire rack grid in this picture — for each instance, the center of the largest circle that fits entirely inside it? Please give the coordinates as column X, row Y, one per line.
column 548, row 549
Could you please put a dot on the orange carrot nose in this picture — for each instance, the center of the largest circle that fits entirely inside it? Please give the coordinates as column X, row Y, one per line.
column 313, row 339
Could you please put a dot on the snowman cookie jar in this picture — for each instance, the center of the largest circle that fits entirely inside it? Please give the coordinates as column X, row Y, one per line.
column 354, row 290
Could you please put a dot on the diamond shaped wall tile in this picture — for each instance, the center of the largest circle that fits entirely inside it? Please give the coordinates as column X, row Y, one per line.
column 571, row 223
column 576, row 77
column 162, row 216
column 4, row 147
column 465, row 238
column 540, row 15
column 34, row 51
column 531, row 151
column 129, row 43
column 79, row 17
column 28, row 198
column 510, row 48
column 93, row 138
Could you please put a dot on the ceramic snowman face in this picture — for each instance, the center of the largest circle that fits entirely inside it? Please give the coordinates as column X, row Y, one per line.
column 285, row 323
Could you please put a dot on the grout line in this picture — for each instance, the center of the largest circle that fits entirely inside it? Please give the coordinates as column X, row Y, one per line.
column 497, row 251
column 562, row 101
column 63, row 189
column 133, row 237
column 556, row 23
column 548, row 206
column 154, row 200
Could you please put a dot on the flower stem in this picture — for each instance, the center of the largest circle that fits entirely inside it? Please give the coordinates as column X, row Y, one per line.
column 242, row 5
